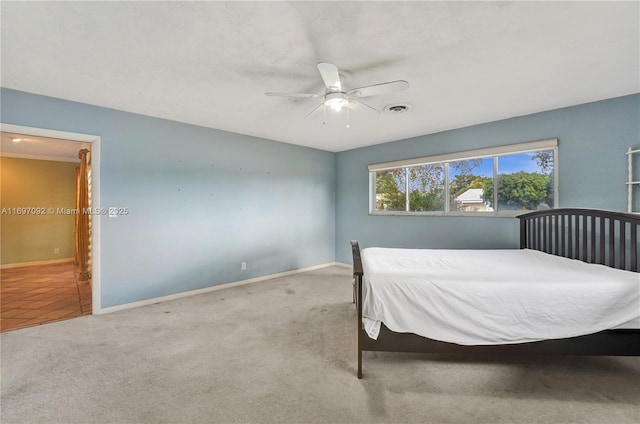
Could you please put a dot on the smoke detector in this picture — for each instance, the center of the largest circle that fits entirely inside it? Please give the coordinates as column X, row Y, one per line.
column 397, row 109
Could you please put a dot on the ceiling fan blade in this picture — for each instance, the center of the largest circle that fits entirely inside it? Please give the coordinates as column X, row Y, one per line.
column 378, row 89
column 299, row 95
column 330, row 76
column 316, row 108
column 358, row 106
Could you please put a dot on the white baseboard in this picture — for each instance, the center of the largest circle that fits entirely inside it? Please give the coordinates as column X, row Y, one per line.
column 210, row 289
column 34, row 263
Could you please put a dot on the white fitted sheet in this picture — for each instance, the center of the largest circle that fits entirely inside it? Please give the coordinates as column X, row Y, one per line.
column 485, row 297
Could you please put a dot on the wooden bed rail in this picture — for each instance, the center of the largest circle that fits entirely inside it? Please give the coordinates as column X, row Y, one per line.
column 357, row 275
column 593, row 236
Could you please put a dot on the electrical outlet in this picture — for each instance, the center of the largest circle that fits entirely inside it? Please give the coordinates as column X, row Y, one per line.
column 243, row 266
column 56, row 250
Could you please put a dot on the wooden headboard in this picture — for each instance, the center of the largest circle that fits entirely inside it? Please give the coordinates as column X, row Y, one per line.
column 589, row 235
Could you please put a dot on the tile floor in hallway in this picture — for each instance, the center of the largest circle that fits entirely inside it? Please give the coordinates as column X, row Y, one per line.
column 41, row 294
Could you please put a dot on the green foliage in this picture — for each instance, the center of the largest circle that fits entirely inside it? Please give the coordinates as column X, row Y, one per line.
column 460, row 184
column 426, row 185
column 521, row 190
column 466, row 166
column 389, row 195
column 479, row 182
column 544, row 159
column 426, row 201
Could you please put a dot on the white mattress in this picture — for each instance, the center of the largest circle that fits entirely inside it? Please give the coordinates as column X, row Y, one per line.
column 485, row 297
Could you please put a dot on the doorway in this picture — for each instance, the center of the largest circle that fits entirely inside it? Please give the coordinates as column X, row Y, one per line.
column 51, row 287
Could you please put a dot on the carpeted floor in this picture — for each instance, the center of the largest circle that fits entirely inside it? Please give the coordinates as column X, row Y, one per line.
column 283, row 351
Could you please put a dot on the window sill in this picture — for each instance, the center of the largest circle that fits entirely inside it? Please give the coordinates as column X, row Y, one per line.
column 502, row 214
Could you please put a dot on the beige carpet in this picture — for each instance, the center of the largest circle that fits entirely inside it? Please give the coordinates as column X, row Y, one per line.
column 283, row 351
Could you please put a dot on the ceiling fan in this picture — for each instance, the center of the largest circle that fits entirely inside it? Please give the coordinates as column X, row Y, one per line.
column 337, row 98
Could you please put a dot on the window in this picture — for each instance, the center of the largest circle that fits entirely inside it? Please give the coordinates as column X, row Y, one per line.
column 391, row 190
column 497, row 181
column 468, row 180
column 426, row 188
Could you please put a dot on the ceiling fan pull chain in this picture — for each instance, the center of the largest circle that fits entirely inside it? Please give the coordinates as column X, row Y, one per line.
column 324, row 114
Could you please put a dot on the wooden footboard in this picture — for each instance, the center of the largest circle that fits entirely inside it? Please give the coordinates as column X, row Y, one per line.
column 608, row 238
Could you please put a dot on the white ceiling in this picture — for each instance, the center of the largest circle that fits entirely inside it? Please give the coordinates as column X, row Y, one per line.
column 209, row 63
column 41, row 148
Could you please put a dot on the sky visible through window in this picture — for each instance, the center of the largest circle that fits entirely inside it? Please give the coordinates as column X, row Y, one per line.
column 506, row 165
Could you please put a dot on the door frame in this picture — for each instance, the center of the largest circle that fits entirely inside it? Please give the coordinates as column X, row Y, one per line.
column 94, row 140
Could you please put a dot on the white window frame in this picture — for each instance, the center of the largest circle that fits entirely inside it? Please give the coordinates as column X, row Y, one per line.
column 491, row 152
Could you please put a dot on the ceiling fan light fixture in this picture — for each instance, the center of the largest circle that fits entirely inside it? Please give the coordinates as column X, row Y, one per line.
column 336, row 104
column 336, row 101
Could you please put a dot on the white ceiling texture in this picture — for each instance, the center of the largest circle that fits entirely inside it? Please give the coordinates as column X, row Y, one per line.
column 210, row 63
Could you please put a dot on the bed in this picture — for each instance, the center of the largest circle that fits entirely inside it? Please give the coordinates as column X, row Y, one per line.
column 589, row 258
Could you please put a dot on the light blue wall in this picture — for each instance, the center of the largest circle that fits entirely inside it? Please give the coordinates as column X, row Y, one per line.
column 204, row 200
column 593, row 139
column 201, row 201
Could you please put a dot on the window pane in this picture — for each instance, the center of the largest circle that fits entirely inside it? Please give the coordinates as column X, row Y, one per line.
column 471, row 185
column 525, row 181
column 426, row 188
column 391, row 190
